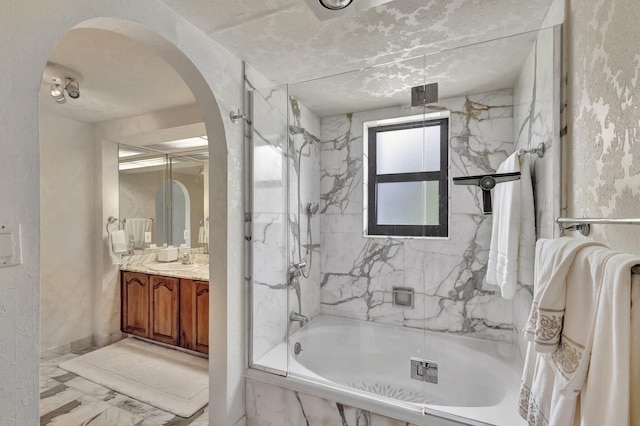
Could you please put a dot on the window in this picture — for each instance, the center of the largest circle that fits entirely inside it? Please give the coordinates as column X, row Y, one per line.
column 407, row 179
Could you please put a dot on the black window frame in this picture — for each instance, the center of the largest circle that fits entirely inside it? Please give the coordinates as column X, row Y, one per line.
column 442, row 176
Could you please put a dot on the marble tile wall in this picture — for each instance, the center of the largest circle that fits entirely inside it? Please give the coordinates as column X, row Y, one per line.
column 536, row 115
column 357, row 273
column 277, row 163
column 272, row 405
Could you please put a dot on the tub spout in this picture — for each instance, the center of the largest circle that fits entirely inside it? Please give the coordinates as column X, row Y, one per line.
column 294, row 316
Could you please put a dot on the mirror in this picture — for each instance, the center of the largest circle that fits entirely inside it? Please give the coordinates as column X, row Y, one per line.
column 163, row 200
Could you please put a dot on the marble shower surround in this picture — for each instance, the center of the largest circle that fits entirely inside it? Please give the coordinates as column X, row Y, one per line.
column 357, row 273
column 276, row 166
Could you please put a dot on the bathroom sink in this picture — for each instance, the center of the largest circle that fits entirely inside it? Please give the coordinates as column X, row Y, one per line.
column 172, row 267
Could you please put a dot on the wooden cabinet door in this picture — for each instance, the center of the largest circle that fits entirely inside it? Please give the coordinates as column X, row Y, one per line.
column 135, row 303
column 194, row 315
column 164, row 309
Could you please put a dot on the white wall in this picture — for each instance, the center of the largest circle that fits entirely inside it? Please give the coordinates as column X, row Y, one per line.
column 67, row 180
column 30, row 29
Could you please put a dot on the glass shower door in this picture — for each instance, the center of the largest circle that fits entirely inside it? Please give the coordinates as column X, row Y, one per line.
column 266, row 220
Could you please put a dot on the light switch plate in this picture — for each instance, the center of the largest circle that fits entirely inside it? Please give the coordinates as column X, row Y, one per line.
column 10, row 245
column 147, row 237
column 186, row 234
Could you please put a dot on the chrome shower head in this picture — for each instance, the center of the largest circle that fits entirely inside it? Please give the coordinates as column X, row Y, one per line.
column 312, row 208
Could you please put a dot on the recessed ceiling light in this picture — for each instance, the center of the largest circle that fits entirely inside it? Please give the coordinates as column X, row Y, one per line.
column 335, row 4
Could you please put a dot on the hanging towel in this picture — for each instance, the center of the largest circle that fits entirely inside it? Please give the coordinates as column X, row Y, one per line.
column 568, row 280
column 553, row 260
column 203, row 233
column 117, row 245
column 118, row 241
column 511, row 255
column 135, row 229
column 605, row 398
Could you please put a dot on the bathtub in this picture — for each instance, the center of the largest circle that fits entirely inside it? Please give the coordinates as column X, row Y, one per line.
column 368, row 365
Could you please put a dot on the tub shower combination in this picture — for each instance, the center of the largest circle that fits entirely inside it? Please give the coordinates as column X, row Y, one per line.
column 475, row 382
column 401, row 327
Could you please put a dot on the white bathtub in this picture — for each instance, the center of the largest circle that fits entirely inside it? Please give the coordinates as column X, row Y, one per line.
column 368, row 365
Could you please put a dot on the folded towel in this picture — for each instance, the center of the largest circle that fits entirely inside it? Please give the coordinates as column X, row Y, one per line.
column 605, row 398
column 511, row 255
column 135, row 229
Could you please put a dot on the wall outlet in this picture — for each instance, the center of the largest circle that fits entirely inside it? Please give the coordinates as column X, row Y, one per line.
column 186, row 234
column 147, row 237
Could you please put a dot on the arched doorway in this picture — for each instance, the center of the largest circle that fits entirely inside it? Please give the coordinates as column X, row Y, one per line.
column 105, row 273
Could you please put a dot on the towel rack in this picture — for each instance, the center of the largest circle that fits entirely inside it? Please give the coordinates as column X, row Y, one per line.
column 539, row 150
column 125, row 219
column 111, row 220
column 583, row 225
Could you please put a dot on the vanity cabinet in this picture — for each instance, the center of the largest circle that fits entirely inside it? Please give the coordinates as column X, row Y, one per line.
column 194, row 315
column 164, row 309
column 170, row 310
column 135, row 304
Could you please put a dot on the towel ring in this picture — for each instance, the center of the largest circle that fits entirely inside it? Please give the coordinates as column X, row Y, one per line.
column 111, row 220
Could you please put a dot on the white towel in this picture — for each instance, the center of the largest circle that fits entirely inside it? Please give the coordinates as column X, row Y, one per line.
column 117, row 245
column 118, row 241
column 553, row 261
column 511, row 255
column 203, row 233
column 585, row 380
column 135, row 229
column 562, row 266
column 605, row 398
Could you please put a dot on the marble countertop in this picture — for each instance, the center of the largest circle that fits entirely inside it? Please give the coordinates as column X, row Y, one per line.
column 200, row 272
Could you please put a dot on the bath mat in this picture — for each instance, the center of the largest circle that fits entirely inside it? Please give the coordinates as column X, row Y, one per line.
column 165, row 378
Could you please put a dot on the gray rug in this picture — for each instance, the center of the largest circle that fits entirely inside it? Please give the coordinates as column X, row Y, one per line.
column 165, row 378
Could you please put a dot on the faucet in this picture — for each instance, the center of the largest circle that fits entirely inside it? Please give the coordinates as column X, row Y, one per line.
column 186, row 259
column 294, row 316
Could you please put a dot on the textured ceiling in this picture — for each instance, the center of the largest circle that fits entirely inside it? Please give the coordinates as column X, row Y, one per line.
column 285, row 41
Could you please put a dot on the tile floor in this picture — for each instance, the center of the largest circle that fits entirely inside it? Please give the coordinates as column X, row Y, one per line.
column 67, row 399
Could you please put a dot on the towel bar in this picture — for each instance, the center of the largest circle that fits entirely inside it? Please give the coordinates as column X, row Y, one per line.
column 582, row 224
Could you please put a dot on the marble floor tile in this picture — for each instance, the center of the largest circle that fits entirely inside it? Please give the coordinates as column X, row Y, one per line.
column 88, row 387
column 77, row 412
column 57, row 397
column 67, row 399
column 114, row 416
column 47, row 383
